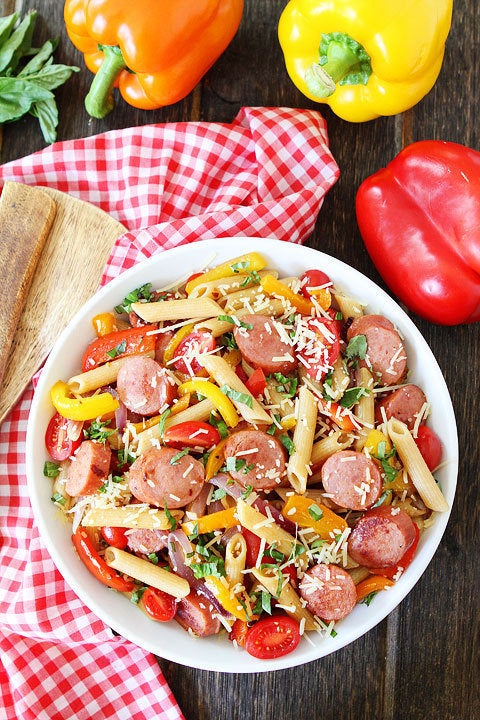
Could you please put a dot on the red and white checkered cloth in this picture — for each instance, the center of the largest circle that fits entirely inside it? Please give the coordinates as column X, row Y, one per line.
column 265, row 175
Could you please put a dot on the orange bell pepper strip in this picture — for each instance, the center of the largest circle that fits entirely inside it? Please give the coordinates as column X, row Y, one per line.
column 372, row 584
column 156, row 52
column 305, row 512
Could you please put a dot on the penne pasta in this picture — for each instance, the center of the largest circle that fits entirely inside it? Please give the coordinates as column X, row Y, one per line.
column 298, row 466
column 152, row 436
column 415, row 466
column 218, row 327
column 225, row 377
column 146, row 572
column 177, row 309
column 349, row 307
column 235, row 558
column 266, row 528
column 100, row 376
column 287, row 597
column 131, row 516
column 365, row 408
column 322, row 449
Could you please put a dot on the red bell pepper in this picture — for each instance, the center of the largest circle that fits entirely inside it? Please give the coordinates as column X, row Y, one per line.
column 420, row 221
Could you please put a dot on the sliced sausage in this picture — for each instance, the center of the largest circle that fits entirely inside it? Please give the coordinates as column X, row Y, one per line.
column 386, row 357
column 259, row 457
column 88, row 469
column 262, row 346
column 404, row 404
column 329, row 592
column 351, row 479
column 160, row 479
column 144, row 386
column 381, row 537
column 195, row 613
column 146, row 541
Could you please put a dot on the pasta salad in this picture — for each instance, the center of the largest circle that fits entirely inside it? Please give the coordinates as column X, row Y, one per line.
column 244, row 454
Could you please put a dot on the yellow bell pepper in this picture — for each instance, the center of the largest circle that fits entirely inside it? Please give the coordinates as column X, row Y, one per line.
column 84, row 408
column 250, row 262
column 365, row 58
column 308, row 514
column 213, row 393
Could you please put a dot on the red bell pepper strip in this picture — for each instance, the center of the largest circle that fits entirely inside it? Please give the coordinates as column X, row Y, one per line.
column 117, row 344
column 420, row 221
column 97, row 565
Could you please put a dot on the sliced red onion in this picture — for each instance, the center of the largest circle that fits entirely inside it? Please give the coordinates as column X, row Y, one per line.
column 224, row 481
column 178, row 547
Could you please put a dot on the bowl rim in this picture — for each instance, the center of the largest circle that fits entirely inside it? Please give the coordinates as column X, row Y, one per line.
column 104, row 603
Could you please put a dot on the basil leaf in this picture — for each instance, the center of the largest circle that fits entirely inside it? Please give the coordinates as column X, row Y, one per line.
column 51, row 469
column 315, row 512
column 175, row 458
column 141, row 293
column 356, row 348
column 237, row 396
column 352, row 396
column 288, row 444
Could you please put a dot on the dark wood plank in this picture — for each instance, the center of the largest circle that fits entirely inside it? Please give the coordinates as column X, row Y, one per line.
column 422, row 661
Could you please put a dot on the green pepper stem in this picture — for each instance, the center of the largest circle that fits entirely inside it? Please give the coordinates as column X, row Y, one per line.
column 343, row 61
column 99, row 101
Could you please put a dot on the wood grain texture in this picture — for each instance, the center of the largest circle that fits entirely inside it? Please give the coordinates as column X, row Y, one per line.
column 26, row 217
column 422, row 661
column 78, row 246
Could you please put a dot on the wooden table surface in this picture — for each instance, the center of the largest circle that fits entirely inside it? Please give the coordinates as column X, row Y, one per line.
column 422, row 662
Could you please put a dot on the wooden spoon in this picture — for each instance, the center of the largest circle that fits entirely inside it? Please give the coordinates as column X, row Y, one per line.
column 68, row 272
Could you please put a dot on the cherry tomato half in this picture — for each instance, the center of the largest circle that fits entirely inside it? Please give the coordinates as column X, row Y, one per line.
column 158, row 604
column 97, row 565
column 59, row 445
column 196, row 343
column 253, row 547
column 319, row 354
column 114, row 536
column 429, row 445
column 256, row 383
column 314, row 281
column 272, row 637
column 191, row 433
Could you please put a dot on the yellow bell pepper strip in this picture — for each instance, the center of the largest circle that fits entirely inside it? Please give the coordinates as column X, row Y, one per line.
column 172, row 345
column 208, row 523
column 215, row 460
column 272, row 286
column 213, row 393
column 85, row 408
column 250, row 262
column 307, row 513
column 156, row 52
column 365, row 58
column 227, row 599
column 372, row 584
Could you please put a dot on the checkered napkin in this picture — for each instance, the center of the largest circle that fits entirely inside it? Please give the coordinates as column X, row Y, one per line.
column 265, row 175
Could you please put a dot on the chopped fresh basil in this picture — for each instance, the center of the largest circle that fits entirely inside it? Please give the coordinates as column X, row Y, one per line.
column 357, row 348
column 235, row 321
column 58, row 498
column 288, row 444
column 368, row 598
column 51, row 469
column 162, row 421
column 117, row 350
column 136, row 595
column 215, row 567
column 253, row 278
column 352, row 396
column 239, row 266
column 286, row 385
column 220, row 424
column 237, row 396
column 141, row 293
column 153, row 557
column 175, row 458
column 315, row 512
column 96, row 431
column 171, row 519
column 219, row 493
column 247, row 492
column 227, row 340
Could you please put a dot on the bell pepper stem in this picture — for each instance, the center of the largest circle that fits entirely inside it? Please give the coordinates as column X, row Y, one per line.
column 343, row 61
column 99, row 101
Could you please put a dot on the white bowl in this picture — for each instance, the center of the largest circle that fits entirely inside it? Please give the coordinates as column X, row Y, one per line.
column 168, row 640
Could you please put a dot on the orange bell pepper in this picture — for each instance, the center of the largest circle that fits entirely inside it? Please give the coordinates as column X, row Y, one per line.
column 156, row 52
